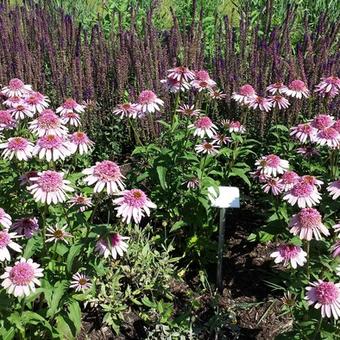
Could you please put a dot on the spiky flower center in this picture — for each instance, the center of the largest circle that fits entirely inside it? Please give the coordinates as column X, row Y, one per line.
column 297, row 85
column 107, row 170
column 135, row 198
column 50, row 181
column 327, row 293
column 289, row 251
column 203, row 123
column 202, row 75
column 247, row 90
column 302, row 189
column 147, row 97
column 309, row 218
column 17, row 143
column 5, row 239
column 69, row 104
column 50, row 142
column 15, row 84
column 329, row 133
column 48, row 120
column 22, row 274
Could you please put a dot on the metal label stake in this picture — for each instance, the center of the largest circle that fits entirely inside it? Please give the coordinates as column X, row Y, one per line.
column 226, row 197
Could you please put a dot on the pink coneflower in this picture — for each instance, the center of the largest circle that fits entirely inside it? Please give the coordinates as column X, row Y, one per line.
column 288, row 253
column 81, row 201
column 70, row 105
column 22, row 278
column 279, row 101
column 312, row 180
column 329, row 137
column 112, row 245
column 307, row 223
column 126, row 110
column 276, row 88
column 7, row 242
column 221, row 139
column 202, row 81
column 289, row 179
column 217, row 94
column 329, row 86
column 149, row 102
column 334, row 189
column 25, row 178
column 259, row 176
column 81, row 142
column 303, row 132
column 297, row 88
column 105, row 174
column 48, row 123
column 80, row 282
column 245, row 93
column 304, row 194
column 181, row 73
column 49, row 187
column 21, row 111
column 16, row 88
column 132, row 205
column 233, row 126
column 37, row 101
column 321, row 122
column 325, row 295
column 204, row 126
column 27, row 226
column 53, row 147
column 308, row 151
column 12, row 101
column 174, row 86
column 209, row 148
column 56, row 233
column 71, row 118
column 188, row 110
column 272, row 165
column 257, row 102
column 5, row 219
column 6, row 120
column 274, row 186
column 335, row 249
column 193, row 183
column 17, row 147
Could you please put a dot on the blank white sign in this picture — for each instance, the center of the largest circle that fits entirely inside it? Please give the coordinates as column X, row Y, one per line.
column 226, row 197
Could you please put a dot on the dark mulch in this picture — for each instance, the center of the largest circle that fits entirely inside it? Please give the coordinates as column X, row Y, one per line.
column 247, row 266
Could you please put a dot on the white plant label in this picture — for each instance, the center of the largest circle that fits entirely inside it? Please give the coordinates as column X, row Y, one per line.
column 226, row 197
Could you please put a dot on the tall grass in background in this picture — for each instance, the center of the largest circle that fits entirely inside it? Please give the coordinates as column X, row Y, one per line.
column 64, row 55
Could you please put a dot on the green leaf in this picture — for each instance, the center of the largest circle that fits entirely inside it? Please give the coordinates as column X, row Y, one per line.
column 63, row 328
column 177, row 225
column 74, row 251
column 58, row 292
column 161, row 171
column 236, row 172
column 146, row 301
column 75, row 315
column 32, row 245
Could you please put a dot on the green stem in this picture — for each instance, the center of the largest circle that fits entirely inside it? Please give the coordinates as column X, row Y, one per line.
column 308, row 259
column 43, row 227
column 317, row 331
column 137, row 138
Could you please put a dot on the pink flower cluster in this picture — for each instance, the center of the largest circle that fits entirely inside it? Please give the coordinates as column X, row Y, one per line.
column 322, row 130
column 53, row 141
column 246, row 94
